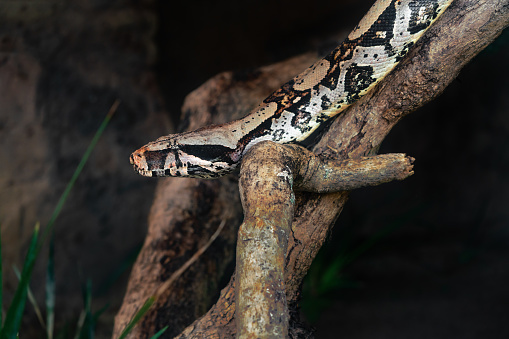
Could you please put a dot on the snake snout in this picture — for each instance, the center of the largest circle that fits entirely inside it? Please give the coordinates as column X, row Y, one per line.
column 137, row 159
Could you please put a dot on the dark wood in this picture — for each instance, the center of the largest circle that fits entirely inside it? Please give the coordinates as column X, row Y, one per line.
column 463, row 31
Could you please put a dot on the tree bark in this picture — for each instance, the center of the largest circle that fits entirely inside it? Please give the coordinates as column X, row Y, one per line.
column 186, row 212
column 267, row 194
column 464, row 30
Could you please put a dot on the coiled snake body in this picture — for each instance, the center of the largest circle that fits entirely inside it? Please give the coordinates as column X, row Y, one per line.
column 299, row 107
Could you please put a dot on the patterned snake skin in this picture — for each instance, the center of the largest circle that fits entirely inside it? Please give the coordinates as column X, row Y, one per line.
column 299, row 107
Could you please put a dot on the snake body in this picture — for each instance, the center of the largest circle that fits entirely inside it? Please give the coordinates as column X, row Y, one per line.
column 300, row 106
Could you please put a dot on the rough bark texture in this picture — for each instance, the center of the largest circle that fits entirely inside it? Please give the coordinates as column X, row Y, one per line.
column 314, row 174
column 268, row 200
column 206, row 203
column 464, row 30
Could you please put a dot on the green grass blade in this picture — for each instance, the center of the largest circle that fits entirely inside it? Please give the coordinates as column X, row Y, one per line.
column 50, row 289
column 1, row 282
column 158, row 334
column 31, row 298
column 83, row 161
column 88, row 332
column 85, row 326
column 166, row 285
column 15, row 311
column 141, row 312
column 399, row 222
column 81, row 322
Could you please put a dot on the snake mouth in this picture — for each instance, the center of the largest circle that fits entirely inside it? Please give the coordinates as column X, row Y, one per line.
column 143, row 172
column 139, row 164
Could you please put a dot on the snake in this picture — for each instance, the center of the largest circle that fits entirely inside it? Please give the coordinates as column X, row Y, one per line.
column 294, row 111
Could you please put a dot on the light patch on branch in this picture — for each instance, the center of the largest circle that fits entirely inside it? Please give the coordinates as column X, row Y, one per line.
column 268, row 200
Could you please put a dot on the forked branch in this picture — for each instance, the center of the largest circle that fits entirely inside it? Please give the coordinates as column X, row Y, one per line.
column 462, row 32
column 267, row 194
column 179, row 224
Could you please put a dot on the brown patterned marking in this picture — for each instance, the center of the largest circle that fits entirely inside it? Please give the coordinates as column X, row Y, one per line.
column 307, row 95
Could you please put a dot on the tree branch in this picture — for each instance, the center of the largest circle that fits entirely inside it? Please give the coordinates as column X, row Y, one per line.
column 267, row 195
column 465, row 29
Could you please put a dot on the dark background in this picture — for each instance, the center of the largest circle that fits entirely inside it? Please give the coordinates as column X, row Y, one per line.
column 423, row 258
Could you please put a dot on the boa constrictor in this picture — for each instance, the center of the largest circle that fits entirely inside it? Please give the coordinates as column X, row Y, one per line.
column 299, row 107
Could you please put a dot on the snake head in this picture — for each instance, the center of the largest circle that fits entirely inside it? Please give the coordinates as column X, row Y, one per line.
column 183, row 155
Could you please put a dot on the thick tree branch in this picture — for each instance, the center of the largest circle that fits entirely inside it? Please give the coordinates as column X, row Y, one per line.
column 268, row 201
column 185, row 212
column 267, row 195
column 324, row 176
column 462, row 32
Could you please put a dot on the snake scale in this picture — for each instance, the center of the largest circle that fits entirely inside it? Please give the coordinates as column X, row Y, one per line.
column 294, row 111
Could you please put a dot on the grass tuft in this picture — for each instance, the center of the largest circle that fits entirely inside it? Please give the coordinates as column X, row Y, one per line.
column 14, row 314
column 141, row 312
column 11, row 325
column 50, row 289
column 158, row 334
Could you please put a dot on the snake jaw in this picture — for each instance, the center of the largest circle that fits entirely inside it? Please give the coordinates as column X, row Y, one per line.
column 159, row 159
column 139, row 163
